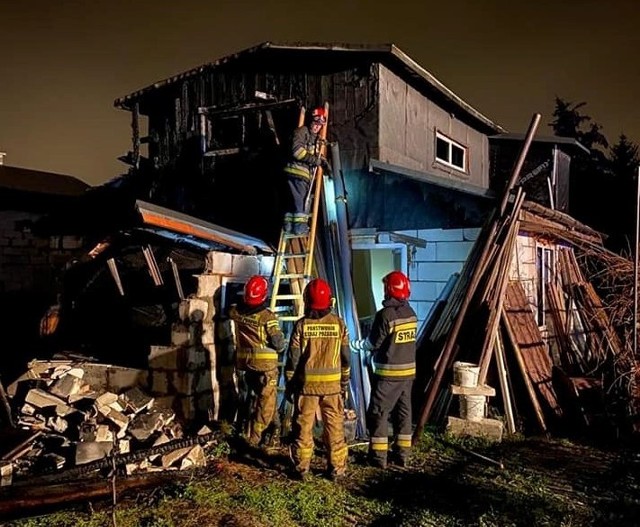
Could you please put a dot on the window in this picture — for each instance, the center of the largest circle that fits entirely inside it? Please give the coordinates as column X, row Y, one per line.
column 450, row 153
column 545, row 263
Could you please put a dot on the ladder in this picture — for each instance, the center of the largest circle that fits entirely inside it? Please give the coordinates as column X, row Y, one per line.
column 293, row 267
column 294, row 257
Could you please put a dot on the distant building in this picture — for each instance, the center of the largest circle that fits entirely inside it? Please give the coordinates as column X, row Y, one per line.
column 31, row 262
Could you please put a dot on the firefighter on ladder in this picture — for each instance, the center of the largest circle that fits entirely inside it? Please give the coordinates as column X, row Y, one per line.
column 392, row 343
column 317, row 372
column 305, row 157
column 257, row 341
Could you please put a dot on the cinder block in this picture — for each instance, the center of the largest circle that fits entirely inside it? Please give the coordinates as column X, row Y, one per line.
column 179, row 334
column 245, row 266
column 195, row 358
column 452, row 251
column 266, row 265
column 193, row 309
column 441, row 235
column 164, row 357
column 425, row 254
column 437, row 271
column 203, row 382
column 424, row 291
column 160, row 384
column 219, row 263
column 208, row 284
column 207, row 333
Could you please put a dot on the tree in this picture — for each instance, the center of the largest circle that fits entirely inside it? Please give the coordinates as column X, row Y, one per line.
column 591, row 189
column 624, row 159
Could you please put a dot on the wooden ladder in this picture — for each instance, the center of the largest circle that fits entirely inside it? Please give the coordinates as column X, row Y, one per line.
column 294, row 258
column 294, row 267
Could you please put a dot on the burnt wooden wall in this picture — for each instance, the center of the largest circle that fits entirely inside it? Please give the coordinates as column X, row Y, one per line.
column 374, row 114
column 174, row 119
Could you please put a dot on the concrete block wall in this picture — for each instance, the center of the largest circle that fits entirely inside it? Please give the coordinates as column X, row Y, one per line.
column 29, row 262
column 187, row 371
column 431, row 267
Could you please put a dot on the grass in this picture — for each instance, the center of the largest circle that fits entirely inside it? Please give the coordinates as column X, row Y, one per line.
column 443, row 487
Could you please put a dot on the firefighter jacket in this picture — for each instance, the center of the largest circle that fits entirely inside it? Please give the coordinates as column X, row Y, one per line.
column 319, row 357
column 393, row 337
column 257, row 337
column 305, row 149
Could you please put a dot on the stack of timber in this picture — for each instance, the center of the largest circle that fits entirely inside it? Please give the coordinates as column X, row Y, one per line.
column 550, row 346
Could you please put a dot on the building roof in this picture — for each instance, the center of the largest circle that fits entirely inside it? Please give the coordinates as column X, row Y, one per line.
column 325, row 56
column 551, row 139
column 171, row 224
column 36, row 181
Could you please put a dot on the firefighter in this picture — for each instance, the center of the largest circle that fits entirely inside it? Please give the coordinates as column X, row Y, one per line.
column 305, row 157
column 317, row 372
column 258, row 339
column 392, row 343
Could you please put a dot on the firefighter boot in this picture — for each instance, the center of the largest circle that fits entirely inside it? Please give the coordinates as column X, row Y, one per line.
column 288, row 223
column 300, row 223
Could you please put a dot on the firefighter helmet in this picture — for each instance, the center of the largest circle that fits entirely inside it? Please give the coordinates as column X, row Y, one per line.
column 319, row 115
column 317, row 294
column 255, row 290
column 396, row 285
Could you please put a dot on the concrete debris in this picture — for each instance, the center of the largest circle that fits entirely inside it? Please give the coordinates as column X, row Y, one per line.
column 6, row 474
column 74, row 420
column 92, row 451
column 68, row 385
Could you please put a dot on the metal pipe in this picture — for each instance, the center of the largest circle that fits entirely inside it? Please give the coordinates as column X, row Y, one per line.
column 361, row 381
column 533, row 126
column 476, row 275
column 635, row 271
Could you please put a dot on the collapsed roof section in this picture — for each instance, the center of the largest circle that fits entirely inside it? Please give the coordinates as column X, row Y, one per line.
column 183, row 228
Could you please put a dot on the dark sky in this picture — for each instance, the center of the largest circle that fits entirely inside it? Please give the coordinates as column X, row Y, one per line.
column 64, row 62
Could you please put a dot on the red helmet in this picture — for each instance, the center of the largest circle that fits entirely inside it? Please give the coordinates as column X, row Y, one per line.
column 255, row 290
column 396, row 285
column 319, row 115
column 317, row 294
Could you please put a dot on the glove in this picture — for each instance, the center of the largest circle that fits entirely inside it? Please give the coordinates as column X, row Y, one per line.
column 326, row 167
column 360, row 345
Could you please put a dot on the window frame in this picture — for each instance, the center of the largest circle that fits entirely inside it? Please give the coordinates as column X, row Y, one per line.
column 450, row 143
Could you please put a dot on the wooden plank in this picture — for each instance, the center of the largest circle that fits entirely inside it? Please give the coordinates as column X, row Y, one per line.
column 482, row 389
column 527, row 381
column 534, row 352
column 501, row 364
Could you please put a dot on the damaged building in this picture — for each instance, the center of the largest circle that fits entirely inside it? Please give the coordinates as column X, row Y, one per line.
column 423, row 183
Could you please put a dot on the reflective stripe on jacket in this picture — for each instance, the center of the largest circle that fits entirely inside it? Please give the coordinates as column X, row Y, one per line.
column 318, row 359
column 258, row 338
column 393, row 337
column 304, row 148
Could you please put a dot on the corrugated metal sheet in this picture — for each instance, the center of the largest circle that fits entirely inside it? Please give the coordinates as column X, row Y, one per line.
column 185, row 225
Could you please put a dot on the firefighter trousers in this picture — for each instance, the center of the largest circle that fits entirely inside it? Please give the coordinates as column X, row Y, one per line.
column 263, row 384
column 299, row 189
column 389, row 399
column 332, row 412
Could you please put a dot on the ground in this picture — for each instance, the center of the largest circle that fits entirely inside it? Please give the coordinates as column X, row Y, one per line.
column 541, row 483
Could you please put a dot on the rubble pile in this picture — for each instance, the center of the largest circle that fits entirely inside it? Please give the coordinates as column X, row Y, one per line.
column 68, row 422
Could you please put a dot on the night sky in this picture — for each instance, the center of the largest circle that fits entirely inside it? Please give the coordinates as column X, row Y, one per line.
column 64, row 62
